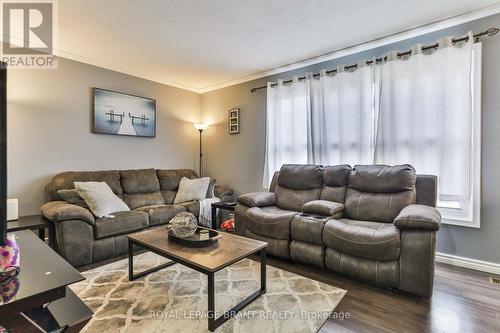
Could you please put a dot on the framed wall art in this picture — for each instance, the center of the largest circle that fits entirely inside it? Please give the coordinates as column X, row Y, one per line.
column 123, row 114
column 234, row 121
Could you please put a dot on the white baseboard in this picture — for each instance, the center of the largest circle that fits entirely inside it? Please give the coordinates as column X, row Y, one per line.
column 478, row 265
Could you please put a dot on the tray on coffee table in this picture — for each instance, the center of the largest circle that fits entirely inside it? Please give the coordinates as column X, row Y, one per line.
column 197, row 239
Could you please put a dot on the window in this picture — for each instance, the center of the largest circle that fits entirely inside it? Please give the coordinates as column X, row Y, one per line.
column 469, row 213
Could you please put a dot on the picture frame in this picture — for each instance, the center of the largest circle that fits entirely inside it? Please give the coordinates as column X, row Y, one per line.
column 117, row 113
column 234, row 121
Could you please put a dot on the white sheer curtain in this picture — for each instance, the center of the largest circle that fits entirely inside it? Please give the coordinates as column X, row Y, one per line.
column 329, row 120
column 425, row 113
column 415, row 110
column 288, row 115
column 343, row 121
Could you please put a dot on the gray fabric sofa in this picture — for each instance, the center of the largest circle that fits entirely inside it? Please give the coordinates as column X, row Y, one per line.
column 373, row 222
column 82, row 238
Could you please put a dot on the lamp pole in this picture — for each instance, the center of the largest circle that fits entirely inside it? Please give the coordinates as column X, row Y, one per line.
column 200, row 127
column 201, row 155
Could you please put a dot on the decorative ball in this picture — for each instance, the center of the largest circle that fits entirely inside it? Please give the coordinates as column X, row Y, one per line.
column 183, row 225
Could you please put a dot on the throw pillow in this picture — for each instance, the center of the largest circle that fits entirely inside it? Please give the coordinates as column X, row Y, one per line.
column 72, row 197
column 211, row 189
column 100, row 198
column 192, row 189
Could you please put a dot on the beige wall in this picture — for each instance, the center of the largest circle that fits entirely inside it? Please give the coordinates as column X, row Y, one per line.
column 235, row 160
column 49, row 122
column 238, row 160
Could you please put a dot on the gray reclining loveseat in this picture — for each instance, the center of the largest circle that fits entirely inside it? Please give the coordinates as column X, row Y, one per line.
column 374, row 222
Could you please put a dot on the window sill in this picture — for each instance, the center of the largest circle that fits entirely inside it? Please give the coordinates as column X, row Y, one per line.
column 462, row 223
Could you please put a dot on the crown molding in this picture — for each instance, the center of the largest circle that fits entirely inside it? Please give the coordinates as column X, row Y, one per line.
column 367, row 45
column 127, row 71
column 364, row 46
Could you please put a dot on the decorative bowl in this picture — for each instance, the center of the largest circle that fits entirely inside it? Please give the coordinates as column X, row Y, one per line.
column 183, row 225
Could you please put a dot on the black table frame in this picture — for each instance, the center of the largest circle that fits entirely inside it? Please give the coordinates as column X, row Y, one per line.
column 213, row 322
column 34, row 223
column 45, row 305
column 223, row 206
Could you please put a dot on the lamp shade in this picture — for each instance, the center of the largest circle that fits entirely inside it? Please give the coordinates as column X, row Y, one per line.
column 201, row 126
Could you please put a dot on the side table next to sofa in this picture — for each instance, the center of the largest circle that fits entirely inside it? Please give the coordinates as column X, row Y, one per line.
column 33, row 223
column 230, row 206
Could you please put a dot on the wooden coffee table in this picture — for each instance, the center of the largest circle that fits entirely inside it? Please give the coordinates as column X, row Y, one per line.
column 208, row 260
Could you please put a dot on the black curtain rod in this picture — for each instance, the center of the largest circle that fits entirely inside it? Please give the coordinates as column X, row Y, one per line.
column 489, row 32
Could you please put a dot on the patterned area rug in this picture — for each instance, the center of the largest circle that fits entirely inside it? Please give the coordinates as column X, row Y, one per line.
column 174, row 299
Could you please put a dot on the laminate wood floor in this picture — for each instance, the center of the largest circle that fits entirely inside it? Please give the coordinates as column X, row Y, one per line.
column 463, row 301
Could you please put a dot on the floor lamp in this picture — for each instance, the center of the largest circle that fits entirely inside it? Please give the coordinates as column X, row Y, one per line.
column 200, row 127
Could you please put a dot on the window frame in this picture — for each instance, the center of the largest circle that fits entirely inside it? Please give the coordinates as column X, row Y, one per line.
column 470, row 216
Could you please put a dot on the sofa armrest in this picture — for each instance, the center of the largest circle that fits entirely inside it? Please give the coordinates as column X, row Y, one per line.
column 322, row 207
column 419, row 217
column 221, row 192
column 258, row 199
column 58, row 211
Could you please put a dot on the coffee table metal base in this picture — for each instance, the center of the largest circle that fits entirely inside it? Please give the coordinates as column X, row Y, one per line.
column 213, row 322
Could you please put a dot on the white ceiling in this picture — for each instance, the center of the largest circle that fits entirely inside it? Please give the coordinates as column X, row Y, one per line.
column 204, row 44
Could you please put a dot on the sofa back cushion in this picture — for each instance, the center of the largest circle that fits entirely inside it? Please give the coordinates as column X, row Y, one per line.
column 335, row 182
column 169, row 182
column 298, row 184
column 65, row 181
column 274, row 182
column 141, row 188
column 379, row 192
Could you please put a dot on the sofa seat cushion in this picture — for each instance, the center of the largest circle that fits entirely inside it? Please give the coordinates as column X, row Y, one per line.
column 161, row 214
column 191, row 206
column 121, row 223
column 372, row 240
column 270, row 221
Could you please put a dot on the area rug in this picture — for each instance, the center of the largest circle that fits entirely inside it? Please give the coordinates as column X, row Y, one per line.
column 174, row 299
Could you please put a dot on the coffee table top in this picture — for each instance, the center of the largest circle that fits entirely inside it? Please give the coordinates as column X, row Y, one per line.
column 42, row 270
column 227, row 250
